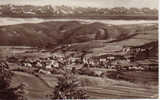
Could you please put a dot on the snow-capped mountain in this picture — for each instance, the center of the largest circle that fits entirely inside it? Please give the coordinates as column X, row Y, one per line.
column 51, row 11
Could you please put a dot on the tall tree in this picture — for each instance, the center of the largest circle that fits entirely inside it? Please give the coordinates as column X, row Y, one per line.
column 69, row 87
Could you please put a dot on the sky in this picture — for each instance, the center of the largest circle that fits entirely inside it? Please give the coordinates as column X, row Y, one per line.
column 88, row 3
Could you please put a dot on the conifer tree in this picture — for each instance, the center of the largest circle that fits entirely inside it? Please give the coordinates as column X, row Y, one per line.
column 69, row 87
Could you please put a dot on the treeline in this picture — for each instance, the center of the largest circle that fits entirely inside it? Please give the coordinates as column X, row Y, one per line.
column 66, row 11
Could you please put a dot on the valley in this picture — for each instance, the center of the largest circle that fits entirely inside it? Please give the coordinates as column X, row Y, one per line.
column 111, row 61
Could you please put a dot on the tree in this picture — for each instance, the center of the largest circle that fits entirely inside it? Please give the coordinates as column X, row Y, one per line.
column 5, row 79
column 20, row 92
column 6, row 92
column 69, row 87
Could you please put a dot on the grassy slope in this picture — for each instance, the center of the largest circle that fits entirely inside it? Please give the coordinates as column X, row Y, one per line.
column 96, row 87
column 35, row 86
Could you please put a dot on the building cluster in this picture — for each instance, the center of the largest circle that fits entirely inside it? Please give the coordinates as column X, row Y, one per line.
column 58, row 64
column 129, row 60
column 136, row 53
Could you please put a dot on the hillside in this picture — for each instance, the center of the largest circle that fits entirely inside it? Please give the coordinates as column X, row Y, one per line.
column 56, row 33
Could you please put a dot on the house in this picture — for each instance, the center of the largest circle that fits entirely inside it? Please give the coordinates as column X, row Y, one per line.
column 44, row 72
column 102, row 59
column 85, row 61
column 38, row 65
column 51, row 63
column 27, row 65
column 111, row 57
column 48, row 66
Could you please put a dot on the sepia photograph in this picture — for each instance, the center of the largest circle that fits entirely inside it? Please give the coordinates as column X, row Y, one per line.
column 78, row 49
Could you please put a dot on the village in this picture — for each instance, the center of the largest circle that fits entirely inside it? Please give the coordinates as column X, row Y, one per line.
column 128, row 59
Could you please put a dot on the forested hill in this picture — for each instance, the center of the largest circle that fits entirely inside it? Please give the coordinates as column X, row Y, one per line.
column 55, row 33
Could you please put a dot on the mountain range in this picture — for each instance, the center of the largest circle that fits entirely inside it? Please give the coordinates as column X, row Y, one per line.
column 67, row 11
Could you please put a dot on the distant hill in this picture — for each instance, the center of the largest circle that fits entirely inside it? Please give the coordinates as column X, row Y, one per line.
column 77, row 12
column 56, row 33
